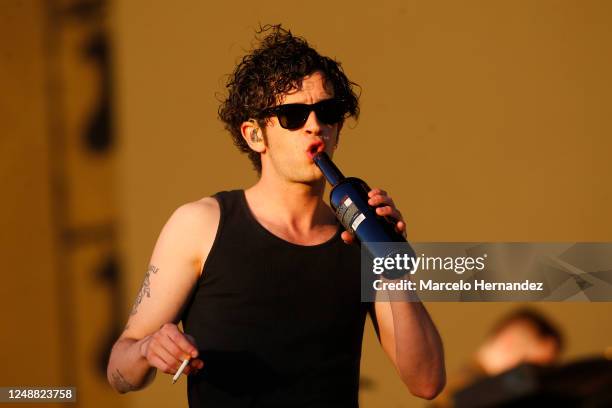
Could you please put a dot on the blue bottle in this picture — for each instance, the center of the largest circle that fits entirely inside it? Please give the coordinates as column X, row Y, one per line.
column 349, row 200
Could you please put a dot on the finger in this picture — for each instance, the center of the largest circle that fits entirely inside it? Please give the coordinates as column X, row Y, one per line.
column 376, row 191
column 160, row 364
column 179, row 339
column 196, row 364
column 172, row 362
column 347, row 237
column 380, row 200
column 175, row 350
column 401, row 228
column 194, row 367
column 154, row 347
column 388, row 211
column 190, row 339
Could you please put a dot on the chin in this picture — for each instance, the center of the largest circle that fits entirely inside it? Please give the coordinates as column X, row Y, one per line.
column 310, row 177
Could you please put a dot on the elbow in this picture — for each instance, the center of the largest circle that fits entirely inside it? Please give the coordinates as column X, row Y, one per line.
column 112, row 380
column 116, row 380
column 429, row 389
column 118, row 390
column 109, row 370
column 109, row 379
column 427, row 392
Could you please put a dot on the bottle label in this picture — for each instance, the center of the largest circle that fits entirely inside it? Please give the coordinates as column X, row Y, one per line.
column 357, row 221
column 349, row 215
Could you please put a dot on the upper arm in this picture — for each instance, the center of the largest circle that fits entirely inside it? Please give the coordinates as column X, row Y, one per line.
column 176, row 263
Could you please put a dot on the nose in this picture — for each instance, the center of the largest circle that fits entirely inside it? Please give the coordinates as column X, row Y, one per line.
column 312, row 125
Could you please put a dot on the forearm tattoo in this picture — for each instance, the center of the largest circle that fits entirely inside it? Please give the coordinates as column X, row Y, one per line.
column 120, row 383
column 145, row 290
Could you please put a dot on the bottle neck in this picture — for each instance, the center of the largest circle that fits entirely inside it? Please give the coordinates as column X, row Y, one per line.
column 328, row 168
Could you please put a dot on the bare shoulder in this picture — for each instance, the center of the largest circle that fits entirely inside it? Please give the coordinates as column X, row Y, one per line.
column 202, row 211
column 192, row 228
column 196, row 216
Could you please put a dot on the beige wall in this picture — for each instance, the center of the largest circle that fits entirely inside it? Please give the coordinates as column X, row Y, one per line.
column 486, row 121
column 55, row 307
column 28, row 292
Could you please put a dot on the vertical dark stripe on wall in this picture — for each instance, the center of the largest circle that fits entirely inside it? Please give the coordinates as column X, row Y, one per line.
column 57, row 176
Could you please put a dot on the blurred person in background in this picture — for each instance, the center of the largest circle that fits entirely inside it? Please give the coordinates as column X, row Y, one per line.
column 523, row 336
column 266, row 289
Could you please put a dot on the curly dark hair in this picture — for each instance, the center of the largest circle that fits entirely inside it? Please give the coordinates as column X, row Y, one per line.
column 277, row 65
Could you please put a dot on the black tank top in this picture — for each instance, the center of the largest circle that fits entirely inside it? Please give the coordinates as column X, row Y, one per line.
column 276, row 324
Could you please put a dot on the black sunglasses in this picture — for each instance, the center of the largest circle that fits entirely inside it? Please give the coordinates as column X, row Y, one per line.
column 293, row 116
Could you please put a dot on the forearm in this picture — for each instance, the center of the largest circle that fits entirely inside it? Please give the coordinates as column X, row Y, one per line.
column 418, row 349
column 127, row 369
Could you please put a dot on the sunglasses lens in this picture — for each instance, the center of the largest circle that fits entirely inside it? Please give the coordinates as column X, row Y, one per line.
column 293, row 116
column 330, row 111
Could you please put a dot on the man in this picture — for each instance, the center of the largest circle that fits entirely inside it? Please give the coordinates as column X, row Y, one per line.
column 523, row 336
column 268, row 293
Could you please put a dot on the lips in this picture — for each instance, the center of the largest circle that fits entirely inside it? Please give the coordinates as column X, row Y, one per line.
column 314, row 148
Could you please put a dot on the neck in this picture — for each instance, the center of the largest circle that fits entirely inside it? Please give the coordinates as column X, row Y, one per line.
column 298, row 206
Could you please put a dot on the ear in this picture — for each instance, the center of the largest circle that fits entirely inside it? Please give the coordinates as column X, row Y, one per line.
column 253, row 135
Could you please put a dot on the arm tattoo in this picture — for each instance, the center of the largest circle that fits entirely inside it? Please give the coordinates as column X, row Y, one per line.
column 120, row 383
column 145, row 289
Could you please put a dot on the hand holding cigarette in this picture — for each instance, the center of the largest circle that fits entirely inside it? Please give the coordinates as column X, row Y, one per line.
column 171, row 351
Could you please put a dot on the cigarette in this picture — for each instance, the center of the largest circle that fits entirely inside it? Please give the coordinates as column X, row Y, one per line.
column 180, row 370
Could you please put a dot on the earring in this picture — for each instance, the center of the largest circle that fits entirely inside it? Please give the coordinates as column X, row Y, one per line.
column 254, row 135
